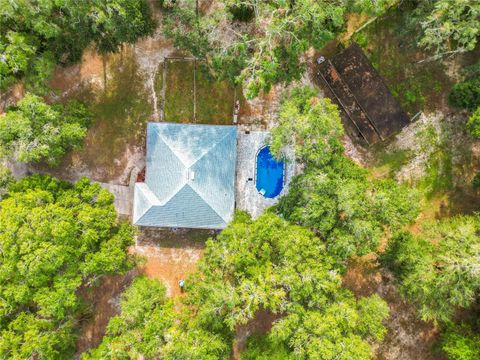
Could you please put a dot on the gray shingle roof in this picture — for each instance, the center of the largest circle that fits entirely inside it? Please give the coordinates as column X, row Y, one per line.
column 190, row 177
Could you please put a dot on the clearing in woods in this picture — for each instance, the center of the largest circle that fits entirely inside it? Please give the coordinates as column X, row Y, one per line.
column 192, row 95
column 179, row 92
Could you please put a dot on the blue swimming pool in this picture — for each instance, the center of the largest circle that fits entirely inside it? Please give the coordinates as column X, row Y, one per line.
column 269, row 180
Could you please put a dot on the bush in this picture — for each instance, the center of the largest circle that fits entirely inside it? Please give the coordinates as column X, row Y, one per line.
column 466, row 94
column 476, row 181
column 460, row 343
column 473, row 124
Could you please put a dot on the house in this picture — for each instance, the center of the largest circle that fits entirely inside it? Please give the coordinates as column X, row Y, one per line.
column 190, row 177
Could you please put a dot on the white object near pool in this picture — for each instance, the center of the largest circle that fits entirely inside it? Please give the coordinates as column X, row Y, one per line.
column 262, row 192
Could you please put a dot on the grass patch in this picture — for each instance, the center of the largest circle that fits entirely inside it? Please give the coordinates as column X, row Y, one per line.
column 390, row 163
column 120, row 113
column 215, row 99
column 391, row 45
column 179, row 91
column 439, row 174
column 158, row 82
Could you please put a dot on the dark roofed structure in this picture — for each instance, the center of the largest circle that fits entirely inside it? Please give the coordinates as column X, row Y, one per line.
column 362, row 95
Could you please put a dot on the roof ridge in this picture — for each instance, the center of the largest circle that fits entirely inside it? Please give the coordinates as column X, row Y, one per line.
column 149, row 197
column 157, row 205
column 205, row 201
column 212, row 147
column 168, row 145
column 195, row 190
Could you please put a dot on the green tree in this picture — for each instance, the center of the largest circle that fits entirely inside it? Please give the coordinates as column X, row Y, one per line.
column 333, row 196
column 55, row 238
column 269, row 50
column 337, row 332
column 311, row 125
column 438, row 270
column 115, row 22
column 141, row 328
column 34, row 131
column 453, row 26
column 271, row 265
column 461, row 343
column 16, row 53
column 34, row 35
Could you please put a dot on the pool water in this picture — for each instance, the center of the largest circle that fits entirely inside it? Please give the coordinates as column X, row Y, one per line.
column 269, row 180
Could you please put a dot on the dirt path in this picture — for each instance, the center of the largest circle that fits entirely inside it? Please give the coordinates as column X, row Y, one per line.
column 171, row 255
column 169, row 264
column 261, row 324
column 408, row 337
column 104, row 302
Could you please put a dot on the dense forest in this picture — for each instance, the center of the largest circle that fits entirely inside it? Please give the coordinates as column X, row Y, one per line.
column 59, row 240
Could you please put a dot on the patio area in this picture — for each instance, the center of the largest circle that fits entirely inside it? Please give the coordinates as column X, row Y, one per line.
column 247, row 197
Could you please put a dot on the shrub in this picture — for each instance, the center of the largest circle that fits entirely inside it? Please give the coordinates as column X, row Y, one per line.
column 476, row 181
column 466, row 94
column 460, row 343
column 473, row 124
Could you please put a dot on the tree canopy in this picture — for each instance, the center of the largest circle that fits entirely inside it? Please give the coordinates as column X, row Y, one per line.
column 333, row 196
column 266, row 264
column 271, row 265
column 259, row 43
column 452, row 26
column 55, row 238
column 34, row 35
column 438, row 269
column 311, row 125
column 461, row 343
column 141, row 327
column 34, row 131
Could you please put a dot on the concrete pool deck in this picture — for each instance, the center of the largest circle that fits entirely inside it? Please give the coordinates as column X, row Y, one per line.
column 247, row 196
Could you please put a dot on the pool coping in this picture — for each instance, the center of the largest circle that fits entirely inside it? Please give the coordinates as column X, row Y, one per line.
column 247, row 197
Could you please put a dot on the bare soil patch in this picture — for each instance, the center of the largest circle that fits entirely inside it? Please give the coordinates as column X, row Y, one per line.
column 114, row 88
column 408, row 337
column 10, row 96
column 261, row 324
column 171, row 255
column 104, row 303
